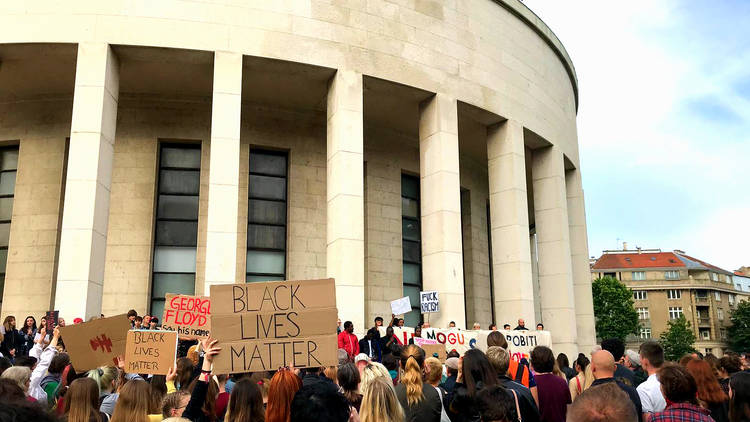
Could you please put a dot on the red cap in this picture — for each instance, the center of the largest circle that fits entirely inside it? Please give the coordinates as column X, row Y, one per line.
column 77, row 321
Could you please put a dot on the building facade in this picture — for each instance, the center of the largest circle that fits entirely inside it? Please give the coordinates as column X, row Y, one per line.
column 667, row 285
column 396, row 146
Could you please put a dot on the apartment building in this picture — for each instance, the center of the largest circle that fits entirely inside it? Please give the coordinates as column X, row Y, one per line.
column 667, row 285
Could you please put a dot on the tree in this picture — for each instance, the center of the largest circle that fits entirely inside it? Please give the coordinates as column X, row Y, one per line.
column 739, row 332
column 678, row 340
column 613, row 309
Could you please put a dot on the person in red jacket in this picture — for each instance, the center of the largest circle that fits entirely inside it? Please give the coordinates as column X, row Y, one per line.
column 348, row 341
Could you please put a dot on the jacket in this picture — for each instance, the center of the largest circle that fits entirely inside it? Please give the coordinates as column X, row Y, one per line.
column 44, row 358
column 349, row 343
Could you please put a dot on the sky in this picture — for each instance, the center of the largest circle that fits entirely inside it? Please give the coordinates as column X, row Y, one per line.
column 663, row 122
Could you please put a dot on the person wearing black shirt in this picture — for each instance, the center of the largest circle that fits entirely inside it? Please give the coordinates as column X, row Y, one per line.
column 603, row 368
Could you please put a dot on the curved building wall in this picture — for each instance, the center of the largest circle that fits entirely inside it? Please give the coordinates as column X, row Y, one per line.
column 460, row 94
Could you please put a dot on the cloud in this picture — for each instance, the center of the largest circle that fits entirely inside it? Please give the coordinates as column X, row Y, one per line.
column 664, row 122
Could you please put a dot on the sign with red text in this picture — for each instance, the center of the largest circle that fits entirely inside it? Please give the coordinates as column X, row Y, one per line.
column 96, row 343
column 150, row 351
column 190, row 316
column 264, row 326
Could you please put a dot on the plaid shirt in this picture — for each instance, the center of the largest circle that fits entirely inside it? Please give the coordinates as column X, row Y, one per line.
column 682, row 412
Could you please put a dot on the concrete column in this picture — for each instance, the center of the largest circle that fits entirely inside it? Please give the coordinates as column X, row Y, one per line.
column 553, row 247
column 509, row 222
column 345, row 223
column 442, row 260
column 579, row 256
column 224, row 171
column 83, row 238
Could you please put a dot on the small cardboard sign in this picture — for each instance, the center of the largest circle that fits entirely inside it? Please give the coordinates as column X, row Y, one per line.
column 150, row 351
column 264, row 326
column 189, row 316
column 51, row 318
column 429, row 301
column 432, row 349
column 96, row 343
column 401, row 306
column 420, row 341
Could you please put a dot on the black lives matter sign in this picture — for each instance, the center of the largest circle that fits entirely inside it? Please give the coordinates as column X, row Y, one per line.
column 264, row 326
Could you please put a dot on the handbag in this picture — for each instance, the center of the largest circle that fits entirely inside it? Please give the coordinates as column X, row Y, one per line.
column 443, row 416
column 518, row 409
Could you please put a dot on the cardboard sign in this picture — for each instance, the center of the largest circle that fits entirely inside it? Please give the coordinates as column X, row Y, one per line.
column 190, row 316
column 150, row 351
column 401, row 306
column 429, row 301
column 264, row 326
column 96, row 343
column 435, row 349
column 51, row 318
column 420, row 341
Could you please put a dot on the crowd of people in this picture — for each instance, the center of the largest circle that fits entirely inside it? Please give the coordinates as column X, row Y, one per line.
column 377, row 379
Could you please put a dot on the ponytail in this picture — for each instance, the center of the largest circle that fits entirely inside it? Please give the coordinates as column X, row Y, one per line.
column 412, row 360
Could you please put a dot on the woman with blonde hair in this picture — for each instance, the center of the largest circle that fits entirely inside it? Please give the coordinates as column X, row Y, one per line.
column 379, row 402
column 107, row 379
column 420, row 401
column 82, row 402
column 372, row 371
column 133, row 403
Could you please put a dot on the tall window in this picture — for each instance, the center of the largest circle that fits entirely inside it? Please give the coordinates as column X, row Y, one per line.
column 720, row 314
column 714, row 277
column 176, row 223
column 674, row 294
column 639, row 275
column 672, row 275
column 675, row 312
column 266, row 216
column 717, row 296
column 642, row 313
column 645, row 333
column 730, row 298
column 640, row 295
column 411, row 239
column 8, row 167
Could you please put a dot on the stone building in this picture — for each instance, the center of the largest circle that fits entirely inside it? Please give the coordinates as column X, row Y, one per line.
column 154, row 147
column 667, row 285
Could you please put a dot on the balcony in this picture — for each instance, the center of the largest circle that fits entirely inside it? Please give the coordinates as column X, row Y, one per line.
column 704, row 321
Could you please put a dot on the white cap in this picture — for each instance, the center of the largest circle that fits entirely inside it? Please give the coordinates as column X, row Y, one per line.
column 360, row 357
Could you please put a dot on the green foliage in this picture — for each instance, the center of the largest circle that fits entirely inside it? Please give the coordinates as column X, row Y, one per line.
column 678, row 340
column 739, row 332
column 613, row 309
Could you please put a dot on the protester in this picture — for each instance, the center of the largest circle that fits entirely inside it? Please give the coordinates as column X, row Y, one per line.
column 540, row 327
column 603, row 367
column 710, row 394
column 107, row 378
column 245, row 403
column 603, row 403
column 417, row 333
column 222, row 399
column 12, row 341
column 739, row 397
column 319, row 401
column 370, row 345
column 420, row 401
column 174, row 404
column 632, row 361
column 391, row 363
column 729, row 364
column 652, row 359
column 44, row 360
column 576, row 384
column 506, row 327
column 348, row 341
column 680, row 391
column 196, row 409
column 21, row 376
column 132, row 403
column 521, row 325
column 493, row 405
column 379, row 402
column 372, row 371
column 616, row 347
column 349, row 379
column 564, row 365
column 553, row 392
column 284, row 385
column 132, row 314
column 50, row 383
column 185, row 369
column 500, row 359
column 451, row 370
column 20, row 411
column 82, row 402
column 452, row 324
column 474, row 373
column 433, row 372
column 330, row 372
column 389, row 344
column 28, row 333
column 493, row 327
column 476, row 326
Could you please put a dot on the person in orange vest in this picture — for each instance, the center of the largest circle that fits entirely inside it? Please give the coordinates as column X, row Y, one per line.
column 348, row 341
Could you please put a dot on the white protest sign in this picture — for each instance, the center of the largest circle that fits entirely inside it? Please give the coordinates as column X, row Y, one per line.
column 401, row 306
column 429, row 301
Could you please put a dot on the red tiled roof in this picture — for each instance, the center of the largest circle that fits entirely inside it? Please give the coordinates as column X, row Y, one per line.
column 636, row 260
